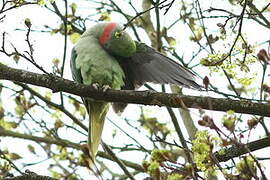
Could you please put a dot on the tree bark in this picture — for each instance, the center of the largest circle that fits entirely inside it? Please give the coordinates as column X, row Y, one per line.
column 57, row 84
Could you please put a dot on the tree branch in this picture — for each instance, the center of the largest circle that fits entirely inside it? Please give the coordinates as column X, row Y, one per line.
column 64, row 143
column 61, row 108
column 229, row 153
column 117, row 160
column 236, row 151
column 57, row 84
column 48, row 140
column 31, row 176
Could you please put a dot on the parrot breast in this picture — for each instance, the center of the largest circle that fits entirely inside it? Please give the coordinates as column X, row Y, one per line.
column 96, row 65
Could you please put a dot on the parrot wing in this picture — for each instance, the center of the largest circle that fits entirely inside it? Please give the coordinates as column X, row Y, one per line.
column 148, row 65
column 76, row 74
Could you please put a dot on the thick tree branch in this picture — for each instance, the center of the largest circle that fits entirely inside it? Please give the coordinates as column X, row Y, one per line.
column 30, row 176
column 57, row 84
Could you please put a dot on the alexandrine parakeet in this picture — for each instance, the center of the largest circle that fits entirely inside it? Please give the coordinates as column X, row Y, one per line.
column 106, row 55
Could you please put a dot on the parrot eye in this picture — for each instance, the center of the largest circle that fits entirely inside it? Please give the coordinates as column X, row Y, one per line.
column 118, row 34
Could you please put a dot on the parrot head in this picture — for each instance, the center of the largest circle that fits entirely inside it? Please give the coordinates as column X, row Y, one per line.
column 113, row 39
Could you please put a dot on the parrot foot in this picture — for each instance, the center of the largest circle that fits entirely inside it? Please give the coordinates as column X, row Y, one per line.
column 96, row 86
column 103, row 88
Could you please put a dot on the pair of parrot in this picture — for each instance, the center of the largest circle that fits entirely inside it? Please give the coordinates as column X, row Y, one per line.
column 105, row 55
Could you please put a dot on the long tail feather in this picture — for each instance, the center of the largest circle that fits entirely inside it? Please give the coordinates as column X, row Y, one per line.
column 97, row 113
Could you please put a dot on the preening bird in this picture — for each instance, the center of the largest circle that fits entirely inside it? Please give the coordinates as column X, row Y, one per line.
column 105, row 55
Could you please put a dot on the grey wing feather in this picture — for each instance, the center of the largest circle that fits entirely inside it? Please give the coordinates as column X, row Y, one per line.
column 149, row 65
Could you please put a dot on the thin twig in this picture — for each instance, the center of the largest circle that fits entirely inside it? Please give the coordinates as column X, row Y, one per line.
column 117, row 160
column 239, row 34
column 61, row 108
column 141, row 13
column 3, row 156
column 65, row 48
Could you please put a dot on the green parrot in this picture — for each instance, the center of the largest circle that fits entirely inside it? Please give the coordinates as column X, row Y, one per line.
column 106, row 56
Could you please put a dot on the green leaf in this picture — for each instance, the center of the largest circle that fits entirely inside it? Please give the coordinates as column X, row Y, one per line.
column 153, row 169
column 171, row 41
column 197, row 36
column 28, row 23
column 43, row 2
column 229, row 120
column 73, row 7
column 31, row 148
column 18, row 2
column 74, row 37
column 48, row 95
column 8, row 125
column 58, row 124
column 105, row 17
column 2, row 111
column 14, row 156
column 175, row 177
column 16, row 58
column 159, row 155
column 56, row 61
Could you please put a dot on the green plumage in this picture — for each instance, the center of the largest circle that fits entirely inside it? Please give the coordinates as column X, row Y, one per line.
column 91, row 64
column 121, row 44
column 106, row 55
column 97, row 115
column 96, row 65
